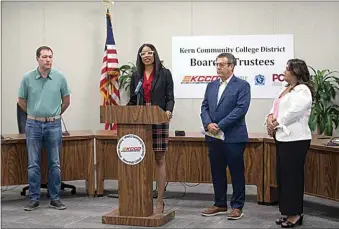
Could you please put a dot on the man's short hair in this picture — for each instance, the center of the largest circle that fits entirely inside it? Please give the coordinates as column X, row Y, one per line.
column 231, row 59
column 38, row 51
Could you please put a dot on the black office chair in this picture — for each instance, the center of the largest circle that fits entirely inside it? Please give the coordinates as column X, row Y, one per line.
column 21, row 119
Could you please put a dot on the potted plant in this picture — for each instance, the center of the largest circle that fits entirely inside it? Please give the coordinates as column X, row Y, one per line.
column 325, row 113
column 126, row 72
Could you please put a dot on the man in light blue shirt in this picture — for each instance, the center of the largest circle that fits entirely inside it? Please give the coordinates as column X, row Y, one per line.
column 44, row 95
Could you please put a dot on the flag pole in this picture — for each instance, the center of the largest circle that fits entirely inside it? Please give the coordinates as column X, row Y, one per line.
column 112, row 96
column 108, row 75
column 106, row 97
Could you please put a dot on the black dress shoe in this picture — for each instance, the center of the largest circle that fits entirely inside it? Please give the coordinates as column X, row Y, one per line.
column 288, row 224
column 280, row 220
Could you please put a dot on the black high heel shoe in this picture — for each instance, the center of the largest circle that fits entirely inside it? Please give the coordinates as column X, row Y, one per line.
column 288, row 224
column 280, row 220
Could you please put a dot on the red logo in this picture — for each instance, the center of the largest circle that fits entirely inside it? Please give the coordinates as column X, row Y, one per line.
column 278, row 77
column 198, row 79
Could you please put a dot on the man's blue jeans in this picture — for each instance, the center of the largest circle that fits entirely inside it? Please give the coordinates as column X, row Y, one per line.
column 38, row 135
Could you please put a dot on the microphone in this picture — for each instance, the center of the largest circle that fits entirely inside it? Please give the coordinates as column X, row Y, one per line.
column 138, row 87
column 138, row 91
column 66, row 133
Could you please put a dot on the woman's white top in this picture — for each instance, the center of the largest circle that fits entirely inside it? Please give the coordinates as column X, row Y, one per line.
column 293, row 114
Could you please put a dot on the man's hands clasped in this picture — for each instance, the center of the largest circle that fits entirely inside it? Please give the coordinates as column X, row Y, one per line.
column 213, row 128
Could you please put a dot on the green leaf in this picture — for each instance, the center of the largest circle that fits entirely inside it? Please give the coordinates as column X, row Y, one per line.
column 333, row 109
column 313, row 120
column 321, row 126
column 335, row 121
column 329, row 73
column 125, row 67
column 328, row 126
column 314, row 72
column 323, row 94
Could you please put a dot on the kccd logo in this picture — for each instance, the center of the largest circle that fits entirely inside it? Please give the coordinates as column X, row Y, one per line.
column 278, row 79
column 131, row 149
column 198, row 79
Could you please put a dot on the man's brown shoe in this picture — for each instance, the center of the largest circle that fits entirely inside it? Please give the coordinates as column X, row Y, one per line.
column 235, row 214
column 212, row 211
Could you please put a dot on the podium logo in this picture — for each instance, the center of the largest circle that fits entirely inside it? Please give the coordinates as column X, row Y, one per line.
column 198, row 79
column 131, row 149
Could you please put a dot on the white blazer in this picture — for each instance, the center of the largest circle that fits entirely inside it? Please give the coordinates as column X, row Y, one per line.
column 293, row 114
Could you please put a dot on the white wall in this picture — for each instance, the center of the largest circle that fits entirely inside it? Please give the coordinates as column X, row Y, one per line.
column 76, row 33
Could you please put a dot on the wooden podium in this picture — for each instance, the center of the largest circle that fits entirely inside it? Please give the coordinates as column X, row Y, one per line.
column 135, row 167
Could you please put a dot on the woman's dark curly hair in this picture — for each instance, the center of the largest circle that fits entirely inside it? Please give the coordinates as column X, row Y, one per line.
column 299, row 69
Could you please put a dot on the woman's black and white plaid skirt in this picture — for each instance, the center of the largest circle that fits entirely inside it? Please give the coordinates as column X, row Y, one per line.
column 160, row 136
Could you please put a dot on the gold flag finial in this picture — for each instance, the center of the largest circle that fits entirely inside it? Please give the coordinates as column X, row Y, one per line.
column 107, row 3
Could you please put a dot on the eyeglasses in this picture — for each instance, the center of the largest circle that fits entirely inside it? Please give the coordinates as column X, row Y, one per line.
column 148, row 53
column 222, row 64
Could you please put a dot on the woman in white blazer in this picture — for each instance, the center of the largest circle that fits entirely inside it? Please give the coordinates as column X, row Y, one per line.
column 287, row 122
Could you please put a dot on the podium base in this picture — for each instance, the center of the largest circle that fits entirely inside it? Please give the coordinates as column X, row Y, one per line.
column 154, row 220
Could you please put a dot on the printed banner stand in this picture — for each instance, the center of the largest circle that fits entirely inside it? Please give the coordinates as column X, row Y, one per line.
column 261, row 60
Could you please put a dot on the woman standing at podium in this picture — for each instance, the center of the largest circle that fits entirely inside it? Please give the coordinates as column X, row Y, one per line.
column 155, row 83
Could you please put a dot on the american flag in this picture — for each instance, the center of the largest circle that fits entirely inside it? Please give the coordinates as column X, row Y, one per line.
column 109, row 86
